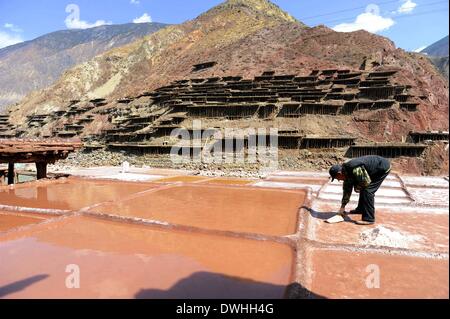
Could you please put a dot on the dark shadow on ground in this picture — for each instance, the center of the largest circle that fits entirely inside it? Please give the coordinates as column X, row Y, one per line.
column 206, row 285
column 297, row 291
column 325, row 215
column 20, row 285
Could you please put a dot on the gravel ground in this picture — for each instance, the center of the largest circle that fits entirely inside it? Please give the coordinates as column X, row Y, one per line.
column 287, row 160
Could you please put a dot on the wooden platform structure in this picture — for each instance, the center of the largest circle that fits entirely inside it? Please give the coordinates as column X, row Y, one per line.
column 419, row 137
column 34, row 151
column 389, row 150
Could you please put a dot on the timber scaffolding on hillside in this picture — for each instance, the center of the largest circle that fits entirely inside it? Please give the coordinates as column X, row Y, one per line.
column 135, row 128
column 389, row 150
column 419, row 137
column 323, row 92
column 245, row 145
column 285, row 139
column 202, row 66
column 330, row 92
column 5, row 126
column 72, row 121
column 156, row 149
column 7, row 129
column 289, row 140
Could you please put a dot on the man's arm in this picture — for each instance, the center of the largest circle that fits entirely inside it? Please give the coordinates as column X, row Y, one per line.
column 347, row 193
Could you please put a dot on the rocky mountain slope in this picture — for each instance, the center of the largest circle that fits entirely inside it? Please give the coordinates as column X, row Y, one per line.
column 441, row 64
column 36, row 64
column 438, row 54
column 439, row 48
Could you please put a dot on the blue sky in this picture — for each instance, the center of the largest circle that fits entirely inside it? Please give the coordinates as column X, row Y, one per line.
column 411, row 24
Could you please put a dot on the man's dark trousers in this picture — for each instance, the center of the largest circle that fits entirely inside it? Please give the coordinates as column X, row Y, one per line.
column 366, row 204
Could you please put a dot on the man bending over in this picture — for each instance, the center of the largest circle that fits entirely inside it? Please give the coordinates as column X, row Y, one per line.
column 364, row 175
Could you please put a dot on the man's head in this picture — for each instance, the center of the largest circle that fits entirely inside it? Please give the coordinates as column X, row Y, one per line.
column 336, row 173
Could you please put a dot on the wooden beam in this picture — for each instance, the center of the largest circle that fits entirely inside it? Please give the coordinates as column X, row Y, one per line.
column 10, row 173
column 41, row 168
column 2, row 176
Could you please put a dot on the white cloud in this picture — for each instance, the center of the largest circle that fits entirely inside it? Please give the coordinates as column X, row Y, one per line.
column 80, row 24
column 8, row 39
column 12, row 27
column 407, row 7
column 143, row 19
column 420, row 49
column 371, row 21
column 136, row 2
column 73, row 20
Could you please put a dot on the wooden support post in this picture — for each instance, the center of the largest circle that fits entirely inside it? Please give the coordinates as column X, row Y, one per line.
column 41, row 168
column 11, row 173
